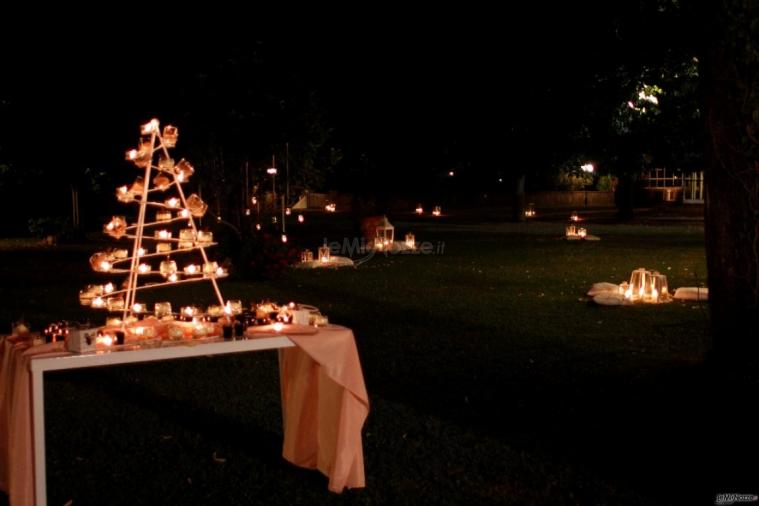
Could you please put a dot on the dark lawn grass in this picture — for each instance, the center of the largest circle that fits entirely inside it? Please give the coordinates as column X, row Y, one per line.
column 491, row 377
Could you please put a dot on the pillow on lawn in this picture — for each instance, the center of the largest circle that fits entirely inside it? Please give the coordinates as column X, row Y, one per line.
column 691, row 293
column 602, row 288
column 609, row 299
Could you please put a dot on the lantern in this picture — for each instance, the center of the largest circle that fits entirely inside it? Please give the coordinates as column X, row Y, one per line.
column 529, row 212
column 410, row 241
column 419, row 209
column 192, row 269
column 306, row 255
column 172, row 202
column 162, row 234
column 436, row 211
column 301, row 218
column 574, row 217
column 385, row 232
column 330, row 208
column 571, row 231
column 288, row 211
column 582, row 233
column 324, row 254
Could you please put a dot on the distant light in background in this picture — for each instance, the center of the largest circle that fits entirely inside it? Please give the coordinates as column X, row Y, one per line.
column 451, row 173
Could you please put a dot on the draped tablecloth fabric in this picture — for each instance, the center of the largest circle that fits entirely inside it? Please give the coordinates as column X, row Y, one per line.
column 324, row 406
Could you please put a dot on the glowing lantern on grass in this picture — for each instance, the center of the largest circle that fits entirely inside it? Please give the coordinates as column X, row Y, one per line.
column 419, row 209
column 571, row 230
column 529, row 212
column 582, row 233
column 640, row 287
column 410, row 241
column 306, row 255
column 384, row 234
column 324, row 255
column 436, row 211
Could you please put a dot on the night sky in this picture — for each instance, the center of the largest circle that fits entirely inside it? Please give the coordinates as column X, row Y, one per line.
column 408, row 93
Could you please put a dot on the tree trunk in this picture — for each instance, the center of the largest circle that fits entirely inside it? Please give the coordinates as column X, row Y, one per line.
column 519, row 198
column 624, row 196
column 731, row 77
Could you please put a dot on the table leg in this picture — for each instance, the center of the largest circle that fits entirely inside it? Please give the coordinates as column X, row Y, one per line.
column 38, row 412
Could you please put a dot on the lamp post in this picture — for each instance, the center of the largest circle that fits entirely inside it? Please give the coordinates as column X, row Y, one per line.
column 587, row 168
column 273, row 171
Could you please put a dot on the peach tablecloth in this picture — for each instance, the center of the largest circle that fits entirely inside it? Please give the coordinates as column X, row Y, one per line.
column 324, row 405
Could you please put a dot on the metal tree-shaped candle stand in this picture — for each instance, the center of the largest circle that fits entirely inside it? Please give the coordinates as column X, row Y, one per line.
column 167, row 176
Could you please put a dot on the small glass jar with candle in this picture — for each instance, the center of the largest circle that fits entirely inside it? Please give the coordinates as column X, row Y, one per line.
column 205, row 237
column 168, row 267
column 163, row 215
column 163, row 247
column 162, row 309
column 170, row 136
column 210, row 268
column 189, row 313
column 306, row 255
column 196, row 206
column 186, row 238
column 410, row 241
column 165, row 164
column 114, row 303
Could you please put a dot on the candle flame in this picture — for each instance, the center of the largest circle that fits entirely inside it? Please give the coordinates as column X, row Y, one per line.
column 278, row 327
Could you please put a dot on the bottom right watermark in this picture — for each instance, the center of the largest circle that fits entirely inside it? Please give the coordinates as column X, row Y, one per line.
column 727, row 499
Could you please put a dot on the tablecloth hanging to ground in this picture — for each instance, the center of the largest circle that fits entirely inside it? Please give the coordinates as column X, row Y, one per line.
column 324, row 399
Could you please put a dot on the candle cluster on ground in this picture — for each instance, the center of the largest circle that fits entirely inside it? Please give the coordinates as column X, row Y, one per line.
column 647, row 286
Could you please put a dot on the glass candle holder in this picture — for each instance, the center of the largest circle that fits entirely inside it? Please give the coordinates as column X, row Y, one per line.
column 205, row 237
column 168, row 267
column 162, row 309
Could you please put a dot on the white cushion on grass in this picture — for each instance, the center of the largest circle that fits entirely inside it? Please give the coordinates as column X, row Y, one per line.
column 609, row 299
column 602, row 288
column 691, row 293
